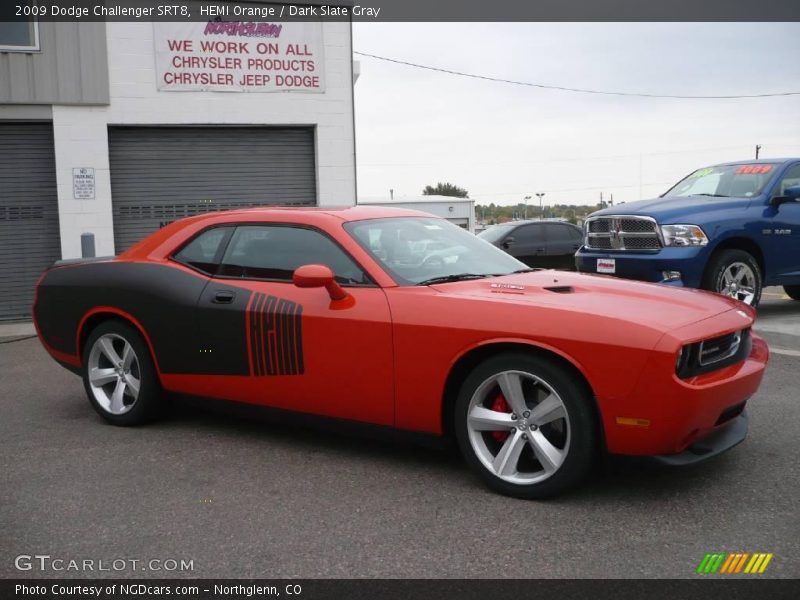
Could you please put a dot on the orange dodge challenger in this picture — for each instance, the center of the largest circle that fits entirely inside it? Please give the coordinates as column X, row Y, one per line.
column 397, row 319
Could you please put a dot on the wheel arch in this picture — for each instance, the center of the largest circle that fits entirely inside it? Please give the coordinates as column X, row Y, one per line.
column 101, row 314
column 471, row 358
column 746, row 244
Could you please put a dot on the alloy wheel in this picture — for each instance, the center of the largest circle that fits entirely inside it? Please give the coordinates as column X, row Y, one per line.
column 518, row 427
column 738, row 281
column 114, row 374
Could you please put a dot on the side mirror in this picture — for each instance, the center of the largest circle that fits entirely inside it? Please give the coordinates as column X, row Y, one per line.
column 508, row 242
column 790, row 194
column 315, row 276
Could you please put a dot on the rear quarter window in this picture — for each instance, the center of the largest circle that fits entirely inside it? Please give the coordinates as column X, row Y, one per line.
column 204, row 251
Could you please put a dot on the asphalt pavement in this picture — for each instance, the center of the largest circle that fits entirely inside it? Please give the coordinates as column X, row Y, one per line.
column 246, row 498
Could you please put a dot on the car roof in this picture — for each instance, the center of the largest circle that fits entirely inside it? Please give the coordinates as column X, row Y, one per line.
column 532, row 221
column 306, row 215
column 342, row 213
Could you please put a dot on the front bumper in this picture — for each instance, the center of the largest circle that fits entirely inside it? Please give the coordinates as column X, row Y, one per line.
column 650, row 266
column 666, row 416
column 719, row 441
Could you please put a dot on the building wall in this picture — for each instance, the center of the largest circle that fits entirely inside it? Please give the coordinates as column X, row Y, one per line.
column 69, row 68
column 81, row 133
column 458, row 210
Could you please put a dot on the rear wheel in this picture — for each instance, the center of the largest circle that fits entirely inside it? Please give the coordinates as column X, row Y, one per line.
column 525, row 426
column 793, row 291
column 736, row 274
column 119, row 375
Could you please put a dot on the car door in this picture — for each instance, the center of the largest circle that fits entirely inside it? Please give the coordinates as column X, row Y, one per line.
column 562, row 243
column 291, row 348
column 528, row 245
column 782, row 232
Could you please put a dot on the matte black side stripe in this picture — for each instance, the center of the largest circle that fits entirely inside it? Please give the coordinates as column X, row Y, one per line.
column 276, row 336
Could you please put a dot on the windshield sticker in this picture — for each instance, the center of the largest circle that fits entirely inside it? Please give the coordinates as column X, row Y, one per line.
column 432, row 227
column 702, row 172
column 753, row 169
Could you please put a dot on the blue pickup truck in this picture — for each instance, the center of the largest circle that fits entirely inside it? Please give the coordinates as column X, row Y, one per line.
column 731, row 228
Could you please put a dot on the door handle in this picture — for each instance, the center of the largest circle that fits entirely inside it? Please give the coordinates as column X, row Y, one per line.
column 223, row 297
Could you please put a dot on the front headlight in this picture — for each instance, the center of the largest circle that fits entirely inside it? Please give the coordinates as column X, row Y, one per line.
column 683, row 235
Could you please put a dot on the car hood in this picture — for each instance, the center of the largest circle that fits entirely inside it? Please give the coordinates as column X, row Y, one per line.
column 657, row 306
column 672, row 209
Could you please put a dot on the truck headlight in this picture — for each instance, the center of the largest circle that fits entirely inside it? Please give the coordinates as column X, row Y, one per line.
column 683, row 235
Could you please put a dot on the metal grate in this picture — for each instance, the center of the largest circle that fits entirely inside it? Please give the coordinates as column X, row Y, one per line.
column 162, row 174
column 21, row 213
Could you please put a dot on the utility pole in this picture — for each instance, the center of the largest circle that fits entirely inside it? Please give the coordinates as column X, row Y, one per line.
column 540, row 195
column 758, row 148
column 526, row 205
column 640, row 176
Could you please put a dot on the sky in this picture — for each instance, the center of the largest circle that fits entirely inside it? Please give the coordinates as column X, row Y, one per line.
column 504, row 142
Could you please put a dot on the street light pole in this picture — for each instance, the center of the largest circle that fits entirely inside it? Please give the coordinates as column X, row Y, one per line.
column 526, row 205
column 540, row 195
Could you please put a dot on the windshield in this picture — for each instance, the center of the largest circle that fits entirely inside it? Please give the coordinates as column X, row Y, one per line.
column 494, row 233
column 742, row 181
column 420, row 250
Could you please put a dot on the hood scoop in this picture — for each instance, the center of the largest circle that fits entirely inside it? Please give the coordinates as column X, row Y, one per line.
column 561, row 289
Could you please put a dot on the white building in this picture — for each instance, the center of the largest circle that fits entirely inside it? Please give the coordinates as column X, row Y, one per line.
column 115, row 129
column 460, row 211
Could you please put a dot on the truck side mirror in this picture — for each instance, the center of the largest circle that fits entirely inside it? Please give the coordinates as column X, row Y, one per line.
column 790, row 194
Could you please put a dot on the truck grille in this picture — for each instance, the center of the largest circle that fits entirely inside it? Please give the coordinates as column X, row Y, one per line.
column 622, row 233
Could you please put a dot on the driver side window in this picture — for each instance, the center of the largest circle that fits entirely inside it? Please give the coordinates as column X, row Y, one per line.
column 274, row 252
column 790, row 179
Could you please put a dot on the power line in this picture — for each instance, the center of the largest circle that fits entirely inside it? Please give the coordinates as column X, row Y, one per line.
column 567, row 89
column 526, row 161
column 586, row 189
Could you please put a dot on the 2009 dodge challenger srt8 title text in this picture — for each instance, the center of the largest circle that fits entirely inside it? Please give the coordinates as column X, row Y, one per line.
column 395, row 318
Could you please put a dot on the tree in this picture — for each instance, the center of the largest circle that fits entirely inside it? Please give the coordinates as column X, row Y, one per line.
column 445, row 189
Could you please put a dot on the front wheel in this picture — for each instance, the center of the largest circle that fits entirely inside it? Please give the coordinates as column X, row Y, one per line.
column 119, row 376
column 793, row 291
column 525, row 426
column 736, row 274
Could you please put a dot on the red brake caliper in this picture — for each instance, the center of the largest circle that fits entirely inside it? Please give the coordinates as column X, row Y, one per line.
column 500, row 405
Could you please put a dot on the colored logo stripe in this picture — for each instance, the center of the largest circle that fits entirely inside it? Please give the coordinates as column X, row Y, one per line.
column 735, row 562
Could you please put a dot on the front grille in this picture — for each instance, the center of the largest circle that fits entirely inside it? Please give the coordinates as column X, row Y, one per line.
column 714, row 354
column 718, row 349
column 622, row 233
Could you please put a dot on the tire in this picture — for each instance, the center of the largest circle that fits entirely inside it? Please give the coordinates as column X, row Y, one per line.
column 736, row 274
column 502, row 448
column 103, row 379
column 793, row 291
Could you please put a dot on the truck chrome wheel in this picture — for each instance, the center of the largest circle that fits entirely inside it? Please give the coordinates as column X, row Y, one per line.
column 518, row 427
column 738, row 281
column 114, row 374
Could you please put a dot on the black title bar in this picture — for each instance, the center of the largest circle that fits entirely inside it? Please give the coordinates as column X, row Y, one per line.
column 733, row 588
column 406, row 10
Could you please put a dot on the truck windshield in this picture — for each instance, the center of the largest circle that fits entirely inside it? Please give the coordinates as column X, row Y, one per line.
column 739, row 181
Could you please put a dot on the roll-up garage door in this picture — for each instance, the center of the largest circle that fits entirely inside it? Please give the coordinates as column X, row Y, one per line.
column 160, row 174
column 29, row 234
